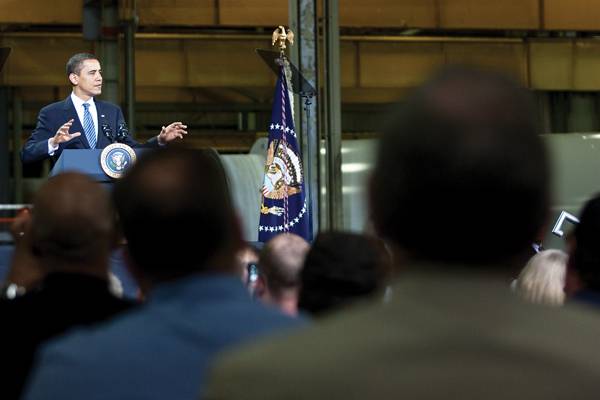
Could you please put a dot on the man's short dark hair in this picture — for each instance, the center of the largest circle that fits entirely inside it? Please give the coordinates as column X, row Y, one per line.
column 462, row 175
column 339, row 268
column 75, row 63
column 175, row 211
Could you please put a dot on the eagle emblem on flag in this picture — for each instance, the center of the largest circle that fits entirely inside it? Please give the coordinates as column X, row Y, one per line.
column 283, row 172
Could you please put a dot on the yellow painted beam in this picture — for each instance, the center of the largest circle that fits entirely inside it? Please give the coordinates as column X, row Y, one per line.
column 508, row 58
column 41, row 11
column 40, row 61
column 160, row 63
column 398, row 65
column 177, row 12
column 215, row 70
column 586, row 64
column 577, row 15
column 264, row 13
column 489, row 14
column 388, row 13
column 227, row 63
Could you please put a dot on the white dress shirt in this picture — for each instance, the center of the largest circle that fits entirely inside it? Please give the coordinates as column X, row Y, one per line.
column 78, row 104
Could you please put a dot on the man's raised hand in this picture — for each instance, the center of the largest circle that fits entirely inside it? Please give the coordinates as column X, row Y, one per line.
column 171, row 132
column 62, row 134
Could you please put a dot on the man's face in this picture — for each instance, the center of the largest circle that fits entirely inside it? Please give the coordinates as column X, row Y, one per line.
column 89, row 81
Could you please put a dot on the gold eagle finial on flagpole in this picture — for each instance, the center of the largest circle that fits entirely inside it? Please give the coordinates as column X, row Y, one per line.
column 280, row 35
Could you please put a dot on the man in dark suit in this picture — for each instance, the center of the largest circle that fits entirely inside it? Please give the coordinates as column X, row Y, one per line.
column 70, row 235
column 90, row 119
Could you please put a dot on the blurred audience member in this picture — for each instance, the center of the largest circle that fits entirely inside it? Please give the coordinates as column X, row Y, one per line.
column 24, row 272
column 281, row 261
column 542, row 280
column 183, row 237
column 460, row 190
column 583, row 271
column 340, row 267
column 70, row 236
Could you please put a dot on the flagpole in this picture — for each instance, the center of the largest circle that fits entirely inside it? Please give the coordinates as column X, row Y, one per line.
column 280, row 36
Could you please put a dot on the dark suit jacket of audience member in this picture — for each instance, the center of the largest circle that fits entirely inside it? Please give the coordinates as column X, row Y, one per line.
column 63, row 301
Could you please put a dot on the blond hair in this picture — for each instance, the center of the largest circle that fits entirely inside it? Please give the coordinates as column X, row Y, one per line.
column 543, row 278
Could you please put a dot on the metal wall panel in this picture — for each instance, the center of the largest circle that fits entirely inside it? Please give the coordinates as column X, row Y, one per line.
column 509, row 58
column 397, row 64
column 551, row 64
column 227, row 63
column 160, row 63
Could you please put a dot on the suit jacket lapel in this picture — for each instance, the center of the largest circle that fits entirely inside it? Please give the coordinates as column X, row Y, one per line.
column 102, row 120
column 71, row 113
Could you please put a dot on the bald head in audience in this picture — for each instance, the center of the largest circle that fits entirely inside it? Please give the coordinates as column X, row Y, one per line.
column 280, row 263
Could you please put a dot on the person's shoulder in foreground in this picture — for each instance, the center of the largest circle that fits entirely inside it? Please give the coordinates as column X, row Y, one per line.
column 160, row 351
column 424, row 348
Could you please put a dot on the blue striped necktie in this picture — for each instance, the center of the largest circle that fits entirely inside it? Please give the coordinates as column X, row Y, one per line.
column 88, row 126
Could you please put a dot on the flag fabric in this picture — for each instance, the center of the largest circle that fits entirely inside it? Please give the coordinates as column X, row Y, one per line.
column 283, row 207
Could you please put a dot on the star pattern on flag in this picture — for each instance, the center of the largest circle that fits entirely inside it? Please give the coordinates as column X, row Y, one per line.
column 281, row 228
column 280, row 127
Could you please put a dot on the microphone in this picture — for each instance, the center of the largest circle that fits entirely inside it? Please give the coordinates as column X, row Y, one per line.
column 108, row 132
column 122, row 132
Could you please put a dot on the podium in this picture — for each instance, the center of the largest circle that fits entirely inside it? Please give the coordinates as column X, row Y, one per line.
column 85, row 161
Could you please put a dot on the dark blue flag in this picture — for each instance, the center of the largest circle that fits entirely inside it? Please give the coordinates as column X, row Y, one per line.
column 284, row 207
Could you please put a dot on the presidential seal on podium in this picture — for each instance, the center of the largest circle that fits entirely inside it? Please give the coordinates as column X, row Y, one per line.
column 116, row 158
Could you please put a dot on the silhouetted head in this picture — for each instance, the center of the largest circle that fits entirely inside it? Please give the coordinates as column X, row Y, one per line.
column 585, row 257
column 176, row 214
column 340, row 268
column 462, row 175
column 73, row 224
